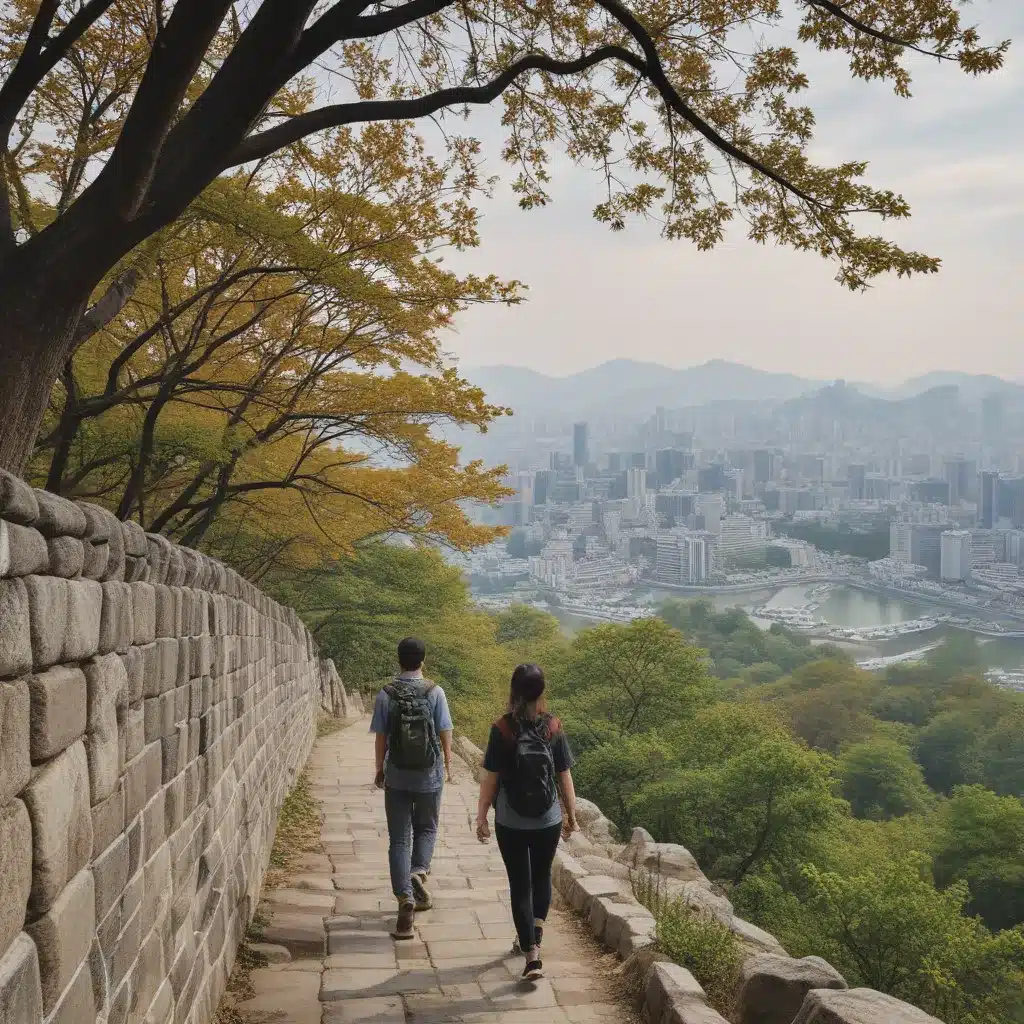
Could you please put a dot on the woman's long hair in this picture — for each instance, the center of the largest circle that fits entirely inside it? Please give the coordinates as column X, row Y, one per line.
column 526, row 694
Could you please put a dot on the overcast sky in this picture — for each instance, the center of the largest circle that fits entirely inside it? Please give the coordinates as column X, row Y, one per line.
column 955, row 150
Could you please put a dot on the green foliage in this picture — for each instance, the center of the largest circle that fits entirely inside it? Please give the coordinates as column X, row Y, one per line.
column 706, row 948
column 761, row 805
column 981, row 841
column 880, row 779
column 842, row 539
column 622, row 680
column 893, row 930
column 736, row 646
column 613, row 773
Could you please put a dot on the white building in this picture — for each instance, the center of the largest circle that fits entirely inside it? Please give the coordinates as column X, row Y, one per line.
column 742, row 539
column 636, row 482
column 900, row 535
column 683, row 556
column 955, row 555
column 802, row 555
column 711, row 507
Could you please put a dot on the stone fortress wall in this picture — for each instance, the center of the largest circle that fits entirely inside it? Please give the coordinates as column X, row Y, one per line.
column 593, row 873
column 155, row 709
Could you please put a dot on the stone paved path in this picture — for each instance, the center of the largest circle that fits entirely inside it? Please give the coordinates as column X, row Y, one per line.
column 457, row 968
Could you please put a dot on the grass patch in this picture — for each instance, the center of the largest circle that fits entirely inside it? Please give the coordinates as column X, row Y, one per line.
column 328, row 725
column 298, row 826
column 704, row 946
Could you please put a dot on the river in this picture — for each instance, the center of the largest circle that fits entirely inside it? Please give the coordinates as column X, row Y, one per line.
column 848, row 607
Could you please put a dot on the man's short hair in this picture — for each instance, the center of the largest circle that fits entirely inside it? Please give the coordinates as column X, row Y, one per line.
column 411, row 653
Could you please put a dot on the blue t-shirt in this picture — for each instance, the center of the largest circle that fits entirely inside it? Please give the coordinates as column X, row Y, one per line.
column 399, row 778
column 500, row 758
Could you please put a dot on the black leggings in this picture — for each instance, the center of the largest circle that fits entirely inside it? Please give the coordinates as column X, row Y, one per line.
column 528, row 854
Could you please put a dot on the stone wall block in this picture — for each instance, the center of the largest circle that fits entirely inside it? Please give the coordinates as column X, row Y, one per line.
column 136, row 570
column 158, row 554
column 15, row 764
column 66, row 556
column 134, row 666
column 5, row 549
column 108, row 820
column 59, row 517
column 117, row 629
column 175, row 567
column 78, row 1004
column 115, row 547
column 168, row 611
column 134, row 731
column 99, row 523
column 58, row 804
column 134, row 539
column 107, row 686
column 63, row 936
column 15, row 870
column 18, row 501
column 58, row 712
column 772, row 988
column 27, row 553
column 94, row 564
column 158, row 716
column 21, row 995
column 110, row 872
column 15, row 629
column 82, row 629
column 144, row 612
column 858, row 1006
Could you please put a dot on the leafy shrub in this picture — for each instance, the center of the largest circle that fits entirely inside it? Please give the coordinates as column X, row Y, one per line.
column 706, row 948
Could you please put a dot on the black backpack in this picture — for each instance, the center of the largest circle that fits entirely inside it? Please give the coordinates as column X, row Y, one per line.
column 412, row 739
column 530, row 782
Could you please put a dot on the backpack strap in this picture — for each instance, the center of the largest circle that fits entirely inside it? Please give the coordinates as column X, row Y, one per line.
column 508, row 732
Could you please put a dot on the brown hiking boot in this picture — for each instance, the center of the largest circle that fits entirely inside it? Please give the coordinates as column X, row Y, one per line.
column 421, row 892
column 406, row 918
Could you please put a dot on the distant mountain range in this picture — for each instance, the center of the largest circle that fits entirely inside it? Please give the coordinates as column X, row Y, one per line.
column 635, row 388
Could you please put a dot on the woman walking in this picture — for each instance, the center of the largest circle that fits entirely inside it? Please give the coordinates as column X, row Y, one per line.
column 527, row 768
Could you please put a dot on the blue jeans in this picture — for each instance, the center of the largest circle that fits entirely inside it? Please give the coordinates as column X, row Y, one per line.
column 412, row 831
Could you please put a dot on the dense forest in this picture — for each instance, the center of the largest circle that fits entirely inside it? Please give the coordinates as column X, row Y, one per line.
column 874, row 819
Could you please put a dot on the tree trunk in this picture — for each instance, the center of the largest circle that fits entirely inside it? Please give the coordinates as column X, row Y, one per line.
column 36, row 336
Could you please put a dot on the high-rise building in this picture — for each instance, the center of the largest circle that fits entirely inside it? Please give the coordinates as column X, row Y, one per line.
column 987, row 546
column 670, row 464
column 926, row 546
column 764, row 466
column 711, row 478
column 710, row 508
column 672, row 507
column 579, row 444
column 988, row 499
column 992, row 416
column 636, row 482
column 543, row 485
column 616, row 462
column 742, row 540
column 955, row 555
column 899, row 541
column 857, row 476
column 683, row 557
column 931, row 491
column 957, row 472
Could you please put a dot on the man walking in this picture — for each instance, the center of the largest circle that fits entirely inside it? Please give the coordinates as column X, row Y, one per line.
column 413, row 729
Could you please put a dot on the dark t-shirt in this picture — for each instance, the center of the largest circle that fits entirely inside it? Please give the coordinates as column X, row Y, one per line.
column 500, row 757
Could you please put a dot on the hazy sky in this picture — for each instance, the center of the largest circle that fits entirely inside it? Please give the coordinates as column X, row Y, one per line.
column 955, row 151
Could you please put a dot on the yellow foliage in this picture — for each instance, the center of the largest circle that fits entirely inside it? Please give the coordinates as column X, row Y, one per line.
column 271, row 386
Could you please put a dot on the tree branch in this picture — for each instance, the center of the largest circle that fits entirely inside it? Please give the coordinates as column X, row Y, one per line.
column 107, row 307
column 297, row 128
column 837, row 11
column 177, row 54
column 41, row 55
column 343, row 21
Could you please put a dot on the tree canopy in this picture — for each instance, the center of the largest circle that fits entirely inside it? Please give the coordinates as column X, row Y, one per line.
column 659, row 98
column 264, row 367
